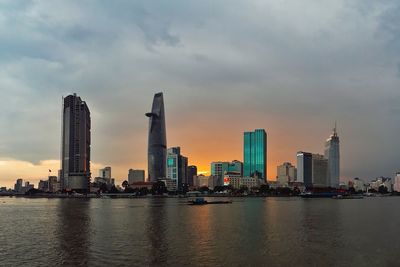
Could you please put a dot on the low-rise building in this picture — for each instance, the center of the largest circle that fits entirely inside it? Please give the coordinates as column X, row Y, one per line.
column 286, row 174
column 235, row 180
column 232, row 179
column 135, row 176
column 381, row 181
column 359, row 185
column 19, row 188
column 138, row 185
column 43, row 185
column 54, row 185
column 205, row 181
column 171, row 184
column 250, row 182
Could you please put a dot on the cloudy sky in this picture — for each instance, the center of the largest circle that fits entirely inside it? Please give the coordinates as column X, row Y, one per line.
column 225, row 66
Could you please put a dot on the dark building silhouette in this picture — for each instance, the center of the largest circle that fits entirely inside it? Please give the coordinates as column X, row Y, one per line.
column 305, row 168
column 75, row 146
column 192, row 171
column 157, row 146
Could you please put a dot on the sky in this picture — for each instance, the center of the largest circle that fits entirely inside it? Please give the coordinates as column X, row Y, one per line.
column 225, row 67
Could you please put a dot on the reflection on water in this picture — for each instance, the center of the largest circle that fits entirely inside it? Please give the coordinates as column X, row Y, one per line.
column 167, row 232
column 199, row 230
column 74, row 230
column 156, row 226
column 320, row 228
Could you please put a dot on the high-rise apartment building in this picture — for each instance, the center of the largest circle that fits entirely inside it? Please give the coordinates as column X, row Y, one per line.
column 157, row 143
column 75, row 154
column 332, row 153
column 255, row 154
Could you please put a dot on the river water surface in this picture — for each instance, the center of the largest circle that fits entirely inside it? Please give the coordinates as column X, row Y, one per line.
column 167, row 232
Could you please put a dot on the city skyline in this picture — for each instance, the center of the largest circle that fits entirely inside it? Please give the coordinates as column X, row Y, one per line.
column 159, row 113
column 204, row 169
column 293, row 78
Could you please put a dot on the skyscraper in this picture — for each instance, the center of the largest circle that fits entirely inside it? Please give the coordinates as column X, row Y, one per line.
column 75, row 154
column 312, row 170
column 332, row 153
column 255, row 154
column 177, row 166
column 157, row 144
column 192, row 171
column 319, row 171
column 304, row 168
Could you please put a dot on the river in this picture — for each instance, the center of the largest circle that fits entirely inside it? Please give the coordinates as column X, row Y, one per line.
column 167, row 232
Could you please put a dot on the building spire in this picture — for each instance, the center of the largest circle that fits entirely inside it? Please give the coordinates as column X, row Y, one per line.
column 335, row 129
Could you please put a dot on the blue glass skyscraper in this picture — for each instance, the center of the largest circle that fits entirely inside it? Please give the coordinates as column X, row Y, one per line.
column 255, row 154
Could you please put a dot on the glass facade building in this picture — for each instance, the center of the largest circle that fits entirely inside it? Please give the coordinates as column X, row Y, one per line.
column 255, row 154
column 177, row 167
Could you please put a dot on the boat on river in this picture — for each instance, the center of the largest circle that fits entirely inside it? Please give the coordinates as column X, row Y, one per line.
column 318, row 194
column 348, row 197
column 202, row 201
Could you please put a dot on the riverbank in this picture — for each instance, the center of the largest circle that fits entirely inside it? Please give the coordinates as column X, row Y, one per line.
column 130, row 195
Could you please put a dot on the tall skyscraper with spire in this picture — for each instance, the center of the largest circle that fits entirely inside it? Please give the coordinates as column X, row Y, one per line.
column 157, row 146
column 332, row 153
column 75, row 145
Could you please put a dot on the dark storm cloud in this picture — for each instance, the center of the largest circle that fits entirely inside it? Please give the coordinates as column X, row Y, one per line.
column 303, row 64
